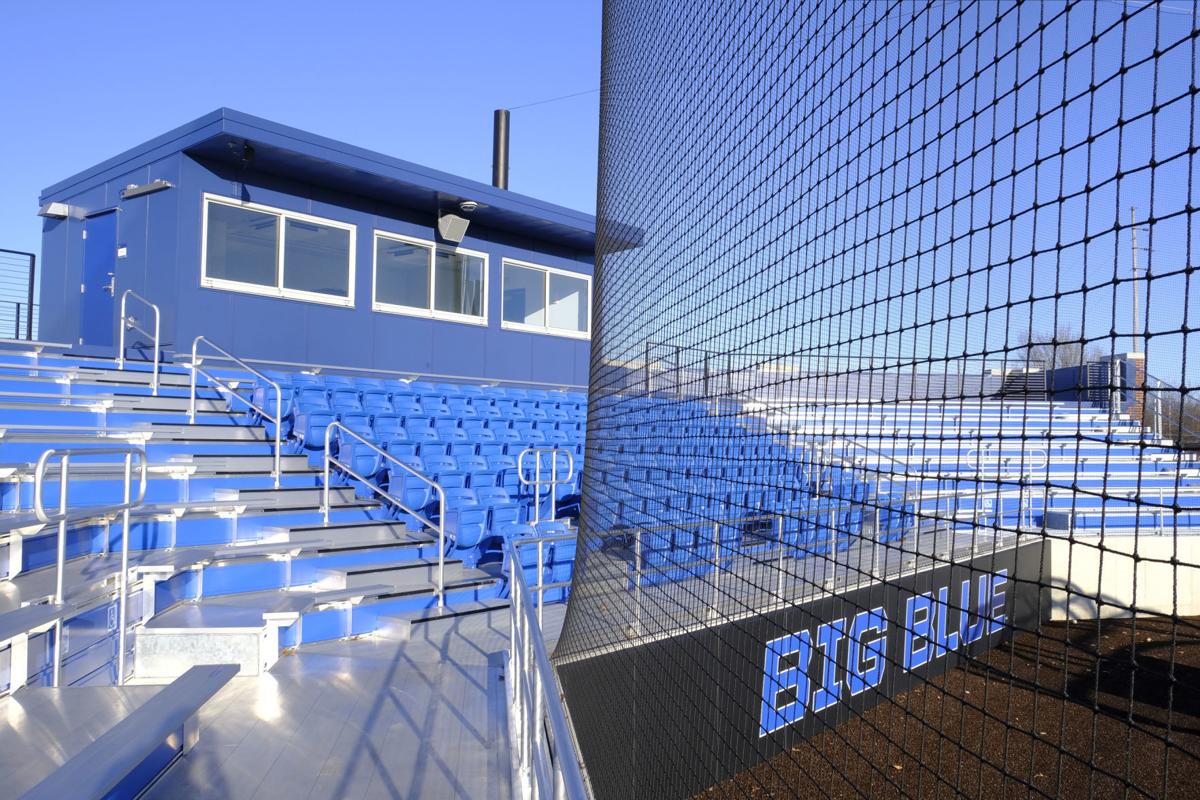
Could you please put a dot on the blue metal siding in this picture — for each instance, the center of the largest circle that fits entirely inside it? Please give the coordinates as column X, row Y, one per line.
column 162, row 236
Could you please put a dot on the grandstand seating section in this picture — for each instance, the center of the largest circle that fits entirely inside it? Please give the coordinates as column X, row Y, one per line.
column 217, row 548
column 1015, row 464
column 215, row 532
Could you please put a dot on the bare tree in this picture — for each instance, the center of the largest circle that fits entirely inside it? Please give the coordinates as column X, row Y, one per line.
column 1065, row 348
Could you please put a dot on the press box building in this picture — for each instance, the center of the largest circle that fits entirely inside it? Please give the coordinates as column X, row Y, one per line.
column 285, row 246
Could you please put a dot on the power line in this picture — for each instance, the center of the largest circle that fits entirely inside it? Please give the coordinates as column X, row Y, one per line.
column 554, row 99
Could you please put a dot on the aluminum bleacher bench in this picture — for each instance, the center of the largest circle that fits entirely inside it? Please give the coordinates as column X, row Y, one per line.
column 130, row 755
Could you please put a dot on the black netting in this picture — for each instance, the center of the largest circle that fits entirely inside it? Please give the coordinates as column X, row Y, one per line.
column 890, row 483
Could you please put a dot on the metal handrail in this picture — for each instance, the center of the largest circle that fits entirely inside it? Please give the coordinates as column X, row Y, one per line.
column 61, row 516
column 973, row 456
column 130, row 322
column 546, row 769
column 827, row 446
column 304, row 366
column 540, row 541
column 277, row 420
column 1187, row 420
column 441, row 493
column 537, row 482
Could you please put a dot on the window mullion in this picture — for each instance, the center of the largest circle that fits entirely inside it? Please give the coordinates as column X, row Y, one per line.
column 282, row 244
column 432, row 277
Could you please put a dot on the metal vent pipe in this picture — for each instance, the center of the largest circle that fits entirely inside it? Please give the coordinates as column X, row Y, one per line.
column 500, row 149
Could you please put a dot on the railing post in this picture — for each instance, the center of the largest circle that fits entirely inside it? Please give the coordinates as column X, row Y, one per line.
column 121, row 332
column 637, row 579
column 878, row 541
column 325, row 483
column 124, row 597
column 553, row 485
column 514, row 659
column 61, row 550
column 60, row 563
column 779, row 565
column 716, row 581
column 541, row 565
column 441, row 587
column 192, row 391
column 29, row 310
column 157, row 330
column 278, row 428
column 535, row 722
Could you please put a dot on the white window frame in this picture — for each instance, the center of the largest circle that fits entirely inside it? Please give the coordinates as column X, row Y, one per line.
column 546, row 328
column 429, row 312
column 283, row 215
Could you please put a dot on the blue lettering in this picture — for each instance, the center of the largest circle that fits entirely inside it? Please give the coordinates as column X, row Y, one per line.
column 828, row 636
column 776, row 681
column 972, row 628
column 916, row 630
column 946, row 642
column 999, row 618
column 866, row 659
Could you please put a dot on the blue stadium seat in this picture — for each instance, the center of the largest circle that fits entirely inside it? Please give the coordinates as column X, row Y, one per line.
column 438, row 464
column 466, row 523
column 483, row 477
column 487, row 443
column 386, row 426
column 488, row 412
column 471, row 462
column 413, row 492
column 399, row 446
column 310, row 426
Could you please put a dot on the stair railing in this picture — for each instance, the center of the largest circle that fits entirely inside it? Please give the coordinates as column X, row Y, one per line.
column 276, row 420
column 539, row 589
column 440, row 526
column 553, row 481
column 1030, row 462
column 547, row 759
column 129, row 322
column 62, row 515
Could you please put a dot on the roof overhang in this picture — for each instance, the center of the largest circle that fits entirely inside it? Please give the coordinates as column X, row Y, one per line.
column 298, row 155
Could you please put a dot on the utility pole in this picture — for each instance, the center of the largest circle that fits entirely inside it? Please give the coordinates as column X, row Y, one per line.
column 1136, row 320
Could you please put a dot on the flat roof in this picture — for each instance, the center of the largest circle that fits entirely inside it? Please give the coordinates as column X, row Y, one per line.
column 293, row 153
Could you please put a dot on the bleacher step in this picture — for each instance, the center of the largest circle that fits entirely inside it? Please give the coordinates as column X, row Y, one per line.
column 401, row 627
column 238, row 464
column 42, row 728
column 135, row 745
column 382, row 528
column 27, row 618
column 143, row 402
column 175, row 432
column 402, row 574
column 292, row 497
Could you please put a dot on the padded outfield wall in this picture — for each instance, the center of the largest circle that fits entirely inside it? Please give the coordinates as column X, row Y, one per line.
column 832, row 235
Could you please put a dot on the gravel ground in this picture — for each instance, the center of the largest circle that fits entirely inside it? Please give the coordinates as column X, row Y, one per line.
column 1085, row 710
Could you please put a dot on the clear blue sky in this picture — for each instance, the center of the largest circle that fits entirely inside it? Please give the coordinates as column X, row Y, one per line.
column 83, row 81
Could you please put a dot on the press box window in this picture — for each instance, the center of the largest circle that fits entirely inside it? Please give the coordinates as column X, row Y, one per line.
column 458, row 283
column 269, row 251
column 544, row 300
column 416, row 277
column 402, row 273
column 243, row 245
column 316, row 258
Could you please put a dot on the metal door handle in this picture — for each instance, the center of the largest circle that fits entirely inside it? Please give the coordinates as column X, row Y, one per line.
column 111, row 288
